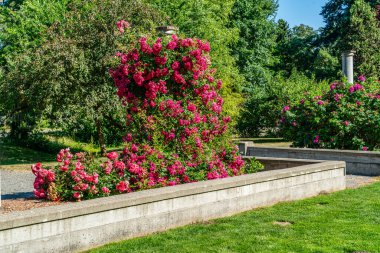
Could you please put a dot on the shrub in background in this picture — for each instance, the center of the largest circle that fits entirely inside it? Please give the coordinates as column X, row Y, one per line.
column 345, row 117
column 176, row 130
column 262, row 111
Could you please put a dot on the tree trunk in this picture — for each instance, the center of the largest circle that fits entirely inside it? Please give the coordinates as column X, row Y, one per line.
column 21, row 126
column 102, row 144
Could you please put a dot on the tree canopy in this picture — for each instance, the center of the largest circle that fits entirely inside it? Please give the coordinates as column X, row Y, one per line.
column 66, row 78
column 353, row 25
column 254, row 49
column 55, row 55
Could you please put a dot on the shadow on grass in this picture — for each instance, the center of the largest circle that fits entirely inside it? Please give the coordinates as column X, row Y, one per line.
column 12, row 154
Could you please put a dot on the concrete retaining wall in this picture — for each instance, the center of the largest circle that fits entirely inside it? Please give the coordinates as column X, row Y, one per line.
column 358, row 162
column 271, row 163
column 77, row 226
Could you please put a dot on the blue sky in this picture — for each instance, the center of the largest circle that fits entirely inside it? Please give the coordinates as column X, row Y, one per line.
column 297, row 12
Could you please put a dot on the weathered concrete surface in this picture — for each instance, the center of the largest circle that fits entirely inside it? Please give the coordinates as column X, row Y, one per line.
column 243, row 146
column 77, row 226
column 274, row 163
column 358, row 162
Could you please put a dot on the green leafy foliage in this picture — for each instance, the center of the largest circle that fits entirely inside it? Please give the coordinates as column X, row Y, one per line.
column 254, row 49
column 23, row 28
column 364, row 37
column 345, row 117
column 295, row 48
column 66, row 78
column 262, row 111
column 353, row 25
column 299, row 49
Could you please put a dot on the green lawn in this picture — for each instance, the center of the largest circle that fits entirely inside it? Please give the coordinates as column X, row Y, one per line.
column 346, row 221
column 16, row 157
column 12, row 156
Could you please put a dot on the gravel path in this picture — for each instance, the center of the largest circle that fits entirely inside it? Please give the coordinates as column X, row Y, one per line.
column 19, row 184
column 16, row 184
column 354, row 181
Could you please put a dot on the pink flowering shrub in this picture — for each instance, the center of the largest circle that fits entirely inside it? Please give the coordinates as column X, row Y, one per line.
column 176, row 129
column 345, row 117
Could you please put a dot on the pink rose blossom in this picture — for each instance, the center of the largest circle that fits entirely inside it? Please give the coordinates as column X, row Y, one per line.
column 122, row 186
column 286, row 108
column 112, row 156
column 121, row 25
column 76, row 195
column 105, row 190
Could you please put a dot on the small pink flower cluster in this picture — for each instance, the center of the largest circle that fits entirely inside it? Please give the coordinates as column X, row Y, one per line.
column 286, row 108
column 121, row 25
column 361, row 78
column 43, row 178
column 83, row 182
column 355, row 87
column 73, row 171
column 337, row 97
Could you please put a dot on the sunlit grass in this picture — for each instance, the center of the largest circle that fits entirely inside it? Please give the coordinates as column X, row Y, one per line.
column 346, row 221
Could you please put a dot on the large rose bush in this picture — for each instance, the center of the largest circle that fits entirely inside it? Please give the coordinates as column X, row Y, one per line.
column 345, row 117
column 176, row 129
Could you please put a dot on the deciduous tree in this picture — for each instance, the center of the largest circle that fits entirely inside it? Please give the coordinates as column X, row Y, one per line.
column 254, row 50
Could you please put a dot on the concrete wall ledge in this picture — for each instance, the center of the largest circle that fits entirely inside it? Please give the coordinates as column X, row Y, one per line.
column 358, row 162
column 356, row 153
column 76, row 226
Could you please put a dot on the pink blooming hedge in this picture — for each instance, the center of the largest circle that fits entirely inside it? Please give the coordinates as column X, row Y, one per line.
column 176, row 130
column 345, row 117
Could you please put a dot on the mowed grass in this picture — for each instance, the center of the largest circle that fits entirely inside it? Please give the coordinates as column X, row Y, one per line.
column 346, row 221
column 17, row 157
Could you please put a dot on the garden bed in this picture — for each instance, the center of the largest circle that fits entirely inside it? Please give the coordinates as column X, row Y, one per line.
column 21, row 204
column 77, row 226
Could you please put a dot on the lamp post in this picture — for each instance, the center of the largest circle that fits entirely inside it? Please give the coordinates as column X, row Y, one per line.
column 348, row 65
